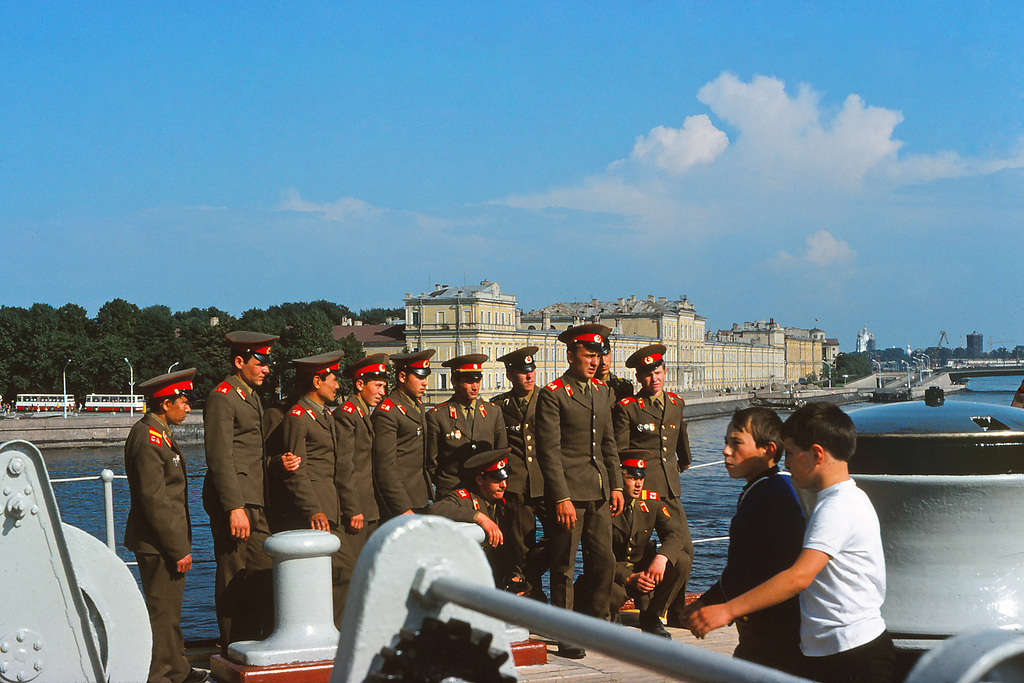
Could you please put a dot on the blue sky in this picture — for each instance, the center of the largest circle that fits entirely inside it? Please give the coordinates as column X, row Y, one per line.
column 853, row 165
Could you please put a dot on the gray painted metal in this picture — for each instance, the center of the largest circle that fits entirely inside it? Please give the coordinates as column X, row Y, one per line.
column 303, row 602
column 69, row 613
column 983, row 656
column 683, row 662
column 381, row 601
column 953, row 554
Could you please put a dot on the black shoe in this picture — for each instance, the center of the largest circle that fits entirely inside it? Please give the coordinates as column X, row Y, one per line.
column 652, row 624
column 570, row 651
column 197, row 676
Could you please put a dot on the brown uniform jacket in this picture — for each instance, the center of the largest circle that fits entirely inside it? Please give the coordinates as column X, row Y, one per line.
column 631, row 534
column 638, row 424
column 158, row 521
column 576, row 443
column 314, row 486
column 233, row 428
column 461, row 505
column 355, row 441
column 447, row 429
column 524, row 475
column 399, row 454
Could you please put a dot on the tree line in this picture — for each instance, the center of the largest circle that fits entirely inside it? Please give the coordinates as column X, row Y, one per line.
column 40, row 345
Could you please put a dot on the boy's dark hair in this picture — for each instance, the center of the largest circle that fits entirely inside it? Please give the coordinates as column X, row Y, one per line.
column 761, row 423
column 823, row 424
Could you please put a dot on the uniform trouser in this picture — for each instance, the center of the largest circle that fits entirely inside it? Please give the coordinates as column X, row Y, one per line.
column 673, row 593
column 594, row 528
column 535, row 551
column 164, row 589
column 343, row 564
column 243, row 590
column 673, row 581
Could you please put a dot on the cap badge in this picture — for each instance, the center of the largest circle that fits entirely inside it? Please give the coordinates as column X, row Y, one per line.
column 648, row 360
column 597, row 338
column 528, row 359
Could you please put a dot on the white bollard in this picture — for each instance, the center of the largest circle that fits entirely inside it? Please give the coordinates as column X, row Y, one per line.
column 303, row 602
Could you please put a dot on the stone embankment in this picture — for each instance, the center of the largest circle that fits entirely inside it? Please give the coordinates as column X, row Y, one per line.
column 84, row 431
column 79, row 431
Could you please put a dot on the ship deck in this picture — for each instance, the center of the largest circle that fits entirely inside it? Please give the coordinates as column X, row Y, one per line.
column 598, row 667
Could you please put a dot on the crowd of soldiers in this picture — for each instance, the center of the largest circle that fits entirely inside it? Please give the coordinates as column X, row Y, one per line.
column 590, row 461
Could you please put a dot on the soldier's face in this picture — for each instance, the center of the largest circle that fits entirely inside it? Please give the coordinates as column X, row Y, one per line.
column 523, row 382
column 465, row 390
column 414, row 385
column 327, row 388
column 371, row 392
column 252, row 371
column 490, row 490
column 652, row 383
column 604, row 366
column 177, row 410
column 583, row 362
column 632, row 486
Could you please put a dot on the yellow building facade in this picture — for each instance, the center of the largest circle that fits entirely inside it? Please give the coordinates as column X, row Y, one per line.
column 458, row 320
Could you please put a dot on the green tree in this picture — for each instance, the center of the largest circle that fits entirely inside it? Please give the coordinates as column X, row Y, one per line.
column 855, row 365
column 379, row 316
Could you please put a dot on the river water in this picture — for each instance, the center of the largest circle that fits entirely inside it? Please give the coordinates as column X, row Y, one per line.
column 709, row 497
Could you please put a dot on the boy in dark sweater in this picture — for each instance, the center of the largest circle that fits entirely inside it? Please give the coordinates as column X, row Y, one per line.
column 765, row 537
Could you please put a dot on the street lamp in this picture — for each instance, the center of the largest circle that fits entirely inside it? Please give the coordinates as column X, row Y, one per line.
column 878, row 382
column 131, row 389
column 172, row 366
column 831, row 369
column 64, row 397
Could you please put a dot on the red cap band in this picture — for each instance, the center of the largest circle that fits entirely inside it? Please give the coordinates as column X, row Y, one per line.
column 174, row 389
column 635, row 462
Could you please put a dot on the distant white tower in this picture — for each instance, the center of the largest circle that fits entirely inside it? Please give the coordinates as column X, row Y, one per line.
column 865, row 341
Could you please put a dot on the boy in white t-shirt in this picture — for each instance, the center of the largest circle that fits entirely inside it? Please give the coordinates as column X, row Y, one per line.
column 840, row 573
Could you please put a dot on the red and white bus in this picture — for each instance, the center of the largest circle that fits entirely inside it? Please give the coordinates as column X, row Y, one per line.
column 44, row 403
column 114, row 403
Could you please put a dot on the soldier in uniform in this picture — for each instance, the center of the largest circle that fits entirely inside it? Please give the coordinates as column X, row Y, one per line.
column 461, row 419
column 234, row 492
column 582, row 482
column 641, row 565
column 355, row 439
column 159, row 529
column 620, row 386
column 480, row 499
column 525, row 486
column 653, row 421
column 400, row 468
column 321, row 490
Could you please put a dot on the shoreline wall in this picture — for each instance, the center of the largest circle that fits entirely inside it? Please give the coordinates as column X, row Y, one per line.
column 78, row 431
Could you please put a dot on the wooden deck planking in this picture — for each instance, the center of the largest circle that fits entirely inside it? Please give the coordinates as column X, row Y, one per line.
column 599, row 668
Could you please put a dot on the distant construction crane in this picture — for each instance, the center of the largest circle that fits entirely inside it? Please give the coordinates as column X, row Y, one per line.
column 942, row 336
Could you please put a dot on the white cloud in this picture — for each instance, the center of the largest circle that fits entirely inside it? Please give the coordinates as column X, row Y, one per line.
column 339, row 211
column 676, row 150
column 783, row 136
column 822, row 249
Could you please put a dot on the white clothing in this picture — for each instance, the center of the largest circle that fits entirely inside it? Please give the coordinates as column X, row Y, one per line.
column 841, row 609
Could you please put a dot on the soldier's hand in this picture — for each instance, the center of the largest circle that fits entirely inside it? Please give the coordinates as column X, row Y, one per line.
column 565, row 514
column 355, row 525
column 239, row 522
column 184, row 564
column 319, row 521
column 617, row 502
column 490, row 528
column 290, row 462
column 657, row 569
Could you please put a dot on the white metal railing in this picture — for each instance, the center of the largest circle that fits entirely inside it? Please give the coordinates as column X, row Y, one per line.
column 107, row 477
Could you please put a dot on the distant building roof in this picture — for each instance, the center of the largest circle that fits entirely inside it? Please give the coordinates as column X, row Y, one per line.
column 372, row 334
